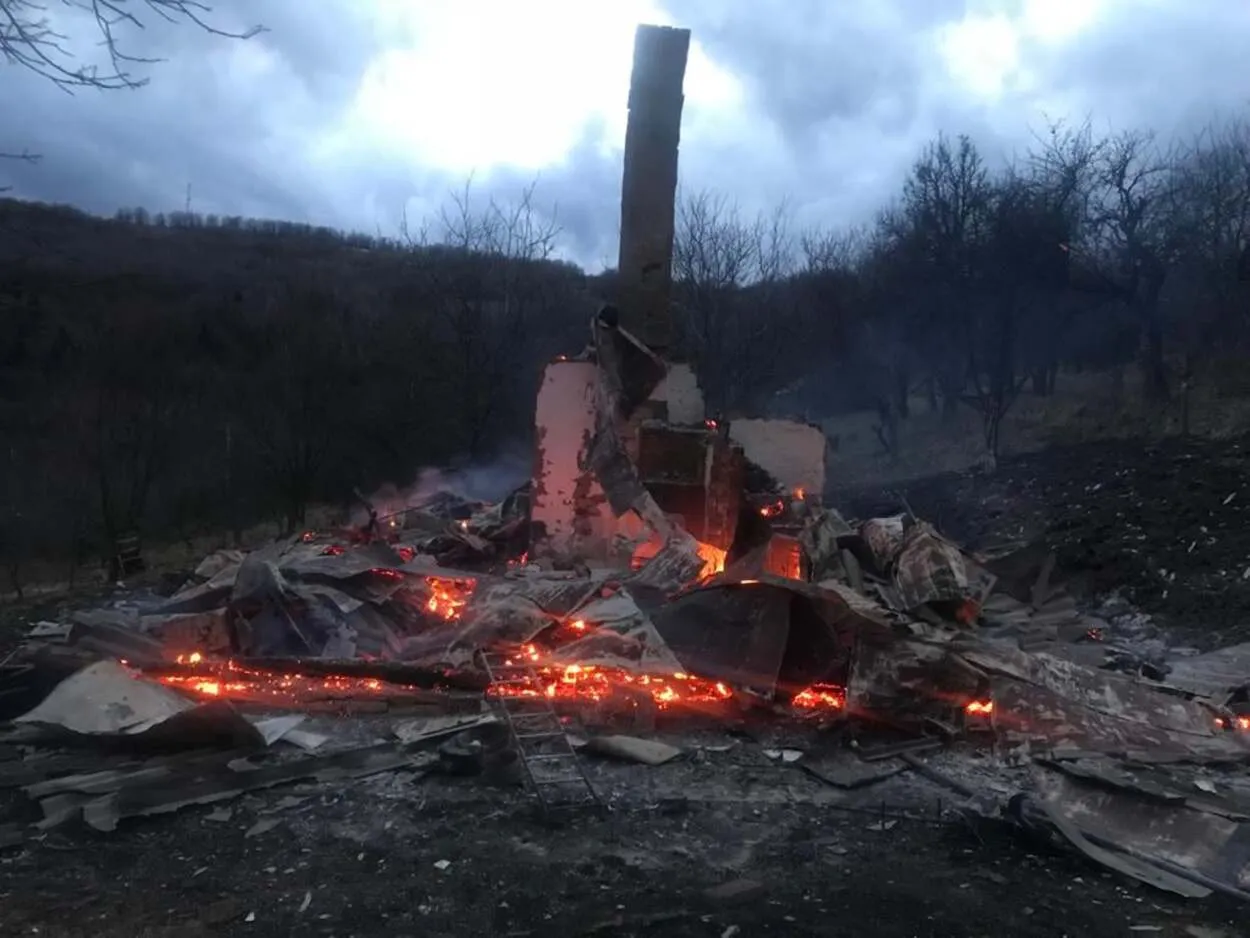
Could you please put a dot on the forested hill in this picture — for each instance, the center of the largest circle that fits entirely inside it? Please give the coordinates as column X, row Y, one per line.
column 182, row 371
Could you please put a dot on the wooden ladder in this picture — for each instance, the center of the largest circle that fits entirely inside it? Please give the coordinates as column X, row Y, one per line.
column 552, row 769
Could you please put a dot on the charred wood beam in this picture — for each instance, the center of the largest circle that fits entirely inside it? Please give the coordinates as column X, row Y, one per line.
column 390, row 672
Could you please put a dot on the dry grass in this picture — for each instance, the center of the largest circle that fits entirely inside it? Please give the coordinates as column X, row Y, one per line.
column 1086, row 406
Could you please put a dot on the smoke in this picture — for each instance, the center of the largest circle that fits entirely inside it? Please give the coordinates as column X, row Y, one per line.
column 479, row 482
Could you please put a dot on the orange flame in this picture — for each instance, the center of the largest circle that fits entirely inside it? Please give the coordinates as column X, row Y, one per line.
column 713, row 560
column 979, row 708
column 447, row 596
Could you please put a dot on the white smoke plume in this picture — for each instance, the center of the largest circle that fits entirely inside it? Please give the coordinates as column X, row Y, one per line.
column 482, row 482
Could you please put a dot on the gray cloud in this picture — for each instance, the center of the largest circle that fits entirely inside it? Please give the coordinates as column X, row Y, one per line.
column 838, row 98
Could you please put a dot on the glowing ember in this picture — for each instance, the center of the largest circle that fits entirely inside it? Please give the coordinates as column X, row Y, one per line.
column 800, row 493
column 773, row 509
column 1239, row 723
column 230, row 679
column 820, row 697
column 982, row 708
column 334, row 550
column 447, row 596
column 592, row 683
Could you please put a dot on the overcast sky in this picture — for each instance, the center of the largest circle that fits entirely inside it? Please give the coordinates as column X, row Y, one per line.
column 349, row 112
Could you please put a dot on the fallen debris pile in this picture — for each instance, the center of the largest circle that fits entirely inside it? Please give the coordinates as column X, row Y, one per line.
column 905, row 633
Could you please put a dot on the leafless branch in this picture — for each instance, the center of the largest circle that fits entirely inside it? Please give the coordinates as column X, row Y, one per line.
column 25, row 156
column 31, row 38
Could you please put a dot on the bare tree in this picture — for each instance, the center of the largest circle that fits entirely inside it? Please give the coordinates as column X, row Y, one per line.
column 1211, row 214
column 290, row 408
column 939, row 228
column 1022, row 271
column 1127, row 182
column 732, row 282
column 485, row 292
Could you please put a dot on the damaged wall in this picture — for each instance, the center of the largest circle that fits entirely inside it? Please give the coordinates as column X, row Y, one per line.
column 792, row 452
column 568, row 509
column 681, row 396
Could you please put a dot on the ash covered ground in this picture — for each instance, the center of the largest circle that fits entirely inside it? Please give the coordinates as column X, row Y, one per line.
column 724, row 841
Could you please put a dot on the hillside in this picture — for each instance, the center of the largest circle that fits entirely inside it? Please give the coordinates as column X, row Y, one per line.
column 174, row 374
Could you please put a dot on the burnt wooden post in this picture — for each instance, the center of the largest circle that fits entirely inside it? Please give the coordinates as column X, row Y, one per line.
column 649, row 188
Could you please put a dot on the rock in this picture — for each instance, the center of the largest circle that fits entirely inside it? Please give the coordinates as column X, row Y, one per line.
column 736, row 890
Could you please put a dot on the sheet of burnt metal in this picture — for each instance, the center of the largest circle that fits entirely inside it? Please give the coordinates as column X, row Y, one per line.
column 193, row 631
column 629, row 371
column 736, row 634
column 376, row 634
column 1220, row 676
column 108, row 633
column 766, row 635
column 910, row 681
column 614, row 470
column 1196, row 841
column 302, row 563
column 677, row 564
column 1042, row 702
column 109, row 701
column 23, row 686
column 218, row 562
column 616, row 633
column 203, row 596
column 500, row 611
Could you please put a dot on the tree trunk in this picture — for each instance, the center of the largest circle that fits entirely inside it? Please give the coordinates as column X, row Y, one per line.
column 1155, row 370
column 902, row 387
column 930, row 390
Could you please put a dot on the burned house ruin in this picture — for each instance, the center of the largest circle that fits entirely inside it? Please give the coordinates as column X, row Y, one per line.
column 662, row 565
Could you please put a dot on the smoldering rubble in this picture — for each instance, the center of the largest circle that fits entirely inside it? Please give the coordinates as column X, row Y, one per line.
column 886, row 647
